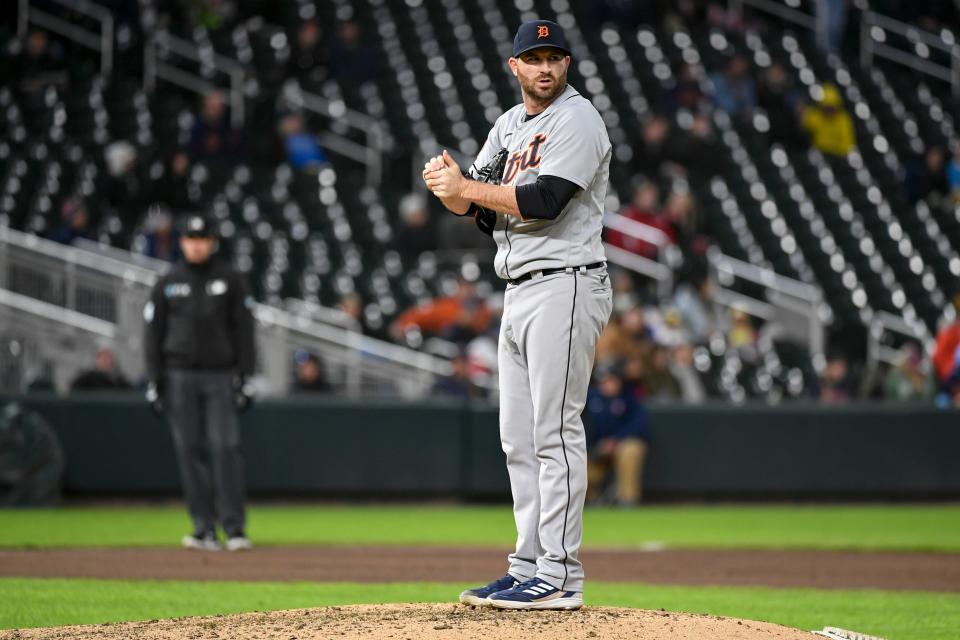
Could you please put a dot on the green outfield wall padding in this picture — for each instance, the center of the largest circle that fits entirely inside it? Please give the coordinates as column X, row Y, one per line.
column 341, row 448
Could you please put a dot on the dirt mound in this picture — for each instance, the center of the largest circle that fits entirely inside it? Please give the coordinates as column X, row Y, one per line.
column 430, row 622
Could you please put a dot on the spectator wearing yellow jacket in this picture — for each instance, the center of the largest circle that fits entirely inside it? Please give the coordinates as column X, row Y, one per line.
column 829, row 124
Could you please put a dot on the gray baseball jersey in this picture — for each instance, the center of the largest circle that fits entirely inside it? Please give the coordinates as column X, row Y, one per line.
column 549, row 331
column 567, row 140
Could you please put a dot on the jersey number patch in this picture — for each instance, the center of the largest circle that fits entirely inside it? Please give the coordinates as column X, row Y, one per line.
column 529, row 159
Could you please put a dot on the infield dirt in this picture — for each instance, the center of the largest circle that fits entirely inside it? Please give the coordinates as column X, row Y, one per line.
column 814, row 569
column 429, row 622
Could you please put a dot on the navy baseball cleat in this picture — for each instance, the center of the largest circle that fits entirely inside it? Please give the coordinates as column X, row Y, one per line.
column 478, row 597
column 536, row 594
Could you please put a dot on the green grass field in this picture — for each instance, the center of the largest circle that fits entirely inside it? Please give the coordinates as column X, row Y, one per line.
column 892, row 615
column 903, row 528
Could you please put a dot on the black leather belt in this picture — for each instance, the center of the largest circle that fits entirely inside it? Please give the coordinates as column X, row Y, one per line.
column 550, row 272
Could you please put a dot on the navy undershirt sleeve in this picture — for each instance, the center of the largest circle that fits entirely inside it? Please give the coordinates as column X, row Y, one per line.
column 545, row 198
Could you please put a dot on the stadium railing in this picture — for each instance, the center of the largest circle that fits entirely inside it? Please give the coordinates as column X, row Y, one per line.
column 103, row 294
column 101, row 42
column 873, row 35
column 156, row 66
column 796, row 307
column 370, row 154
column 873, row 30
column 668, row 256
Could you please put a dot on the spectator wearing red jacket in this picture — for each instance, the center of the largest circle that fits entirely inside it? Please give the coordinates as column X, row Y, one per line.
column 946, row 357
column 643, row 208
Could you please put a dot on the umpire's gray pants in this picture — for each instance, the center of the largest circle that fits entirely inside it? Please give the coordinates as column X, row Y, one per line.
column 548, row 339
column 207, row 439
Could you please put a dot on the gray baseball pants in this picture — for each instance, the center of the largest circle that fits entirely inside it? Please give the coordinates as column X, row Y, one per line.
column 548, row 339
column 207, row 439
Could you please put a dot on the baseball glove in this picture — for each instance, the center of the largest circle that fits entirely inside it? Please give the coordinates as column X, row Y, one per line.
column 491, row 173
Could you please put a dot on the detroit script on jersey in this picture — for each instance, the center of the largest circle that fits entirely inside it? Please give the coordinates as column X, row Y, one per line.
column 567, row 140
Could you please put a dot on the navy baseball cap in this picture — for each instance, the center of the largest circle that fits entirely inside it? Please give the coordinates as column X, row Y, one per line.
column 539, row 33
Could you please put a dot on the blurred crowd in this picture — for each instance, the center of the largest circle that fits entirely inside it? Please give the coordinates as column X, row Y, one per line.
column 654, row 346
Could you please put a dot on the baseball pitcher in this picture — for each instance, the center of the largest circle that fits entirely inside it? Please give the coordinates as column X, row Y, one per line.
column 538, row 188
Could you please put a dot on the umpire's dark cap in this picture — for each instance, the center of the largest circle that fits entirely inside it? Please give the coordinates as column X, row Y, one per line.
column 539, row 33
column 198, row 226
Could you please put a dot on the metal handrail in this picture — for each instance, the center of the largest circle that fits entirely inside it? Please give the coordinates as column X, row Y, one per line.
column 95, row 261
column 765, row 277
column 908, row 31
column 370, row 347
column 776, row 8
column 781, row 292
column 870, row 48
column 25, row 304
column 154, row 68
column 660, row 269
column 370, row 154
column 133, row 273
column 102, row 42
column 636, row 229
column 877, row 353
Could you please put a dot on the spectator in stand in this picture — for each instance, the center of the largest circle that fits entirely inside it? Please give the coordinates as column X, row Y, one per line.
column 213, row 140
column 350, row 58
column 781, row 101
column 692, row 300
column 907, row 380
column 628, row 13
column 459, row 384
column 121, row 183
column 303, row 151
column 161, row 240
column 681, row 216
column 829, row 125
column 103, row 377
column 685, row 93
column 636, row 369
column 655, row 150
column 645, row 209
column 837, row 384
column 733, row 89
column 171, row 183
column 695, row 149
column 953, row 173
column 352, row 305
column 614, row 343
column 742, row 336
column 617, row 436
column 681, row 368
column 831, row 24
column 415, row 234
column 459, row 317
column 309, row 376
column 212, row 14
column 41, row 64
column 927, row 177
column 946, row 360
column 75, row 223
column 625, row 294
column 659, row 381
column 308, row 59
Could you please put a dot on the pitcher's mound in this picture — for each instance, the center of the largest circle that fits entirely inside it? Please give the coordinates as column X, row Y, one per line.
column 432, row 622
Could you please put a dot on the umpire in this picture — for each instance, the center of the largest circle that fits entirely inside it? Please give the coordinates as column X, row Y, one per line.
column 200, row 352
